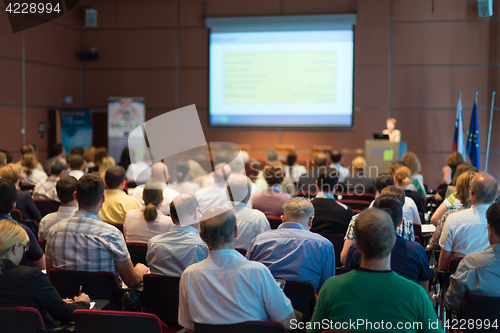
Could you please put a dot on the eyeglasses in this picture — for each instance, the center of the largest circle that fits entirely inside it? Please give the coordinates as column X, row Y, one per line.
column 26, row 247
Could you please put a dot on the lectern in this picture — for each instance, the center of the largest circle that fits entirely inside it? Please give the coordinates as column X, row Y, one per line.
column 380, row 153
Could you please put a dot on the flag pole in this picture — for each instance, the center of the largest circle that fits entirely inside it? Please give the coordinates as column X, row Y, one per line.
column 489, row 132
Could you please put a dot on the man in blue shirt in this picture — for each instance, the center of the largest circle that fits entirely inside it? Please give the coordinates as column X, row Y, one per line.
column 408, row 258
column 292, row 252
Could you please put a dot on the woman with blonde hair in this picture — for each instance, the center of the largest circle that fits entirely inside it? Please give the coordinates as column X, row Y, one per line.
column 28, row 286
column 144, row 223
column 402, row 180
column 106, row 163
column 413, row 163
column 30, row 175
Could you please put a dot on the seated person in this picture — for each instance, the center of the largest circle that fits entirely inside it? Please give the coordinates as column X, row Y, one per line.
column 402, row 181
column 95, row 246
column 24, row 201
column 359, row 182
column 413, row 163
column 57, row 152
column 374, row 293
column 330, row 215
column 337, row 163
column 307, row 181
column 76, row 165
column 250, row 222
column 46, row 190
column 292, row 252
column 65, row 187
column 254, row 294
column 182, row 185
column 28, row 286
column 271, row 200
column 293, row 169
column 478, row 273
column 146, row 222
column 215, row 194
column 408, row 258
column 30, row 174
column 170, row 253
column 117, row 203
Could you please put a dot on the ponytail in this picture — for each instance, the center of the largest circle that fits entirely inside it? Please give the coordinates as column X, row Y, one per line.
column 150, row 212
column 152, row 196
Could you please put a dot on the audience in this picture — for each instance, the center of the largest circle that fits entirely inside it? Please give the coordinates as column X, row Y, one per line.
column 478, row 273
column 198, row 175
column 292, row 252
column 271, row 200
column 182, row 185
column 3, row 159
column 159, row 173
column 76, row 165
column 28, row 286
column 135, row 171
column 77, row 150
column 31, row 175
column 58, row 153
column 65, row 187
column 286, row 185
column 117, row 203
column 88, row 156
column 413, row 163
column 359, row 182
column 453, row 160
column 450, row 189
column 8, row 196
column 250, row 222
column 106, row 163
column 125, row 158
column 96, row 246
column 226, row 288
column 215, row 194
column 465, row 232
column 31, row 149
column 373, row 292
column 24, row 204
column 294, row 169
column 408, row 258
column 170, row 253
column 46, row 190
column 336, row 157
column 401, row 181
column 146, row 222
column 99, row 154
column 330, row 216
column 307, row 182
column 8, row 156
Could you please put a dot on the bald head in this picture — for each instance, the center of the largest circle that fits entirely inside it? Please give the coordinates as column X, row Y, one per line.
column 239, row 188
column 221, row 173
column 375, row 233
column 320, row 160
column 159, row 172
column 184, row 209
column 483, row 188
column 218, row 228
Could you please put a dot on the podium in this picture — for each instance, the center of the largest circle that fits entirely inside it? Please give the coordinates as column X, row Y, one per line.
column 380, row 153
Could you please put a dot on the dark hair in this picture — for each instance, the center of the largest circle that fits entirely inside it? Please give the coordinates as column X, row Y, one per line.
column 75, row 161
column 220, row 233
column 291, row 158
column 274, row 173
column 27, row 149
column 56, row 149
column 335, row 156
column 8, row 196
column 397, row 192
column 183, row 206
column 223, row 157
column 8, row 154
column 77, row 150
column 461, row 168
column 181, row 170
column 493, row 217
column 125, row 158
column 65, row 188
column 252, row 169
column 114, row 176
column 391, row 205
column 454, row 159
column 99, row 154
column 383, row 180
column 328, row 177
column 3, row 158
column 320, row 160
column 152, row 196
column 89, row 190
column 57, row 166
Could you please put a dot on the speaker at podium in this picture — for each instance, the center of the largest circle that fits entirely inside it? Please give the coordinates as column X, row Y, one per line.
column 380, row 153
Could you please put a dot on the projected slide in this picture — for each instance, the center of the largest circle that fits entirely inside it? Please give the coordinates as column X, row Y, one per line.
column 292, row 78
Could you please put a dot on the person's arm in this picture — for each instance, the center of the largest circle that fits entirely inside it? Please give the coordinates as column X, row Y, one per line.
column 444, row 259
column 397, row 136
column 32, row 210
column 438, row 214
column 49, row 264
column 345, row 249
column 425, row 285
column 446, row 175
column 287, row 322
column 131, row 275
column 328, row 269
column 40, row 263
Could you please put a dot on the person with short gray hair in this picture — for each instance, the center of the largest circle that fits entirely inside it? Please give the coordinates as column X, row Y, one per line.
column 46, row 190
column 292, row 252
column 225, row 287
column 251, row 222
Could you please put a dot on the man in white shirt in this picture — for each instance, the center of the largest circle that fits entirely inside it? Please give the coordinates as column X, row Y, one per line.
column 226, row 288
column 47, row 190
column 65, row 188
column 76, row 165
column 170, row 253
column 336, row 157
column 466, row 232
column 214, row 194
column 134, row 172
column 159, row 172
column 251, row 222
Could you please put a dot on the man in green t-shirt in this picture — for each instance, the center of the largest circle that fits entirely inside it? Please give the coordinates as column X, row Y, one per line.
column 373, row 298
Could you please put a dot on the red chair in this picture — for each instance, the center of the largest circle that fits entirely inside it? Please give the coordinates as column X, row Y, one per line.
column 137, row 252
column 246, row 327
column 161, row 297
column 274, row 221
column 98, row 321
column 302, row 296
column 21, row 319
column 480, row 309
column 16, row 215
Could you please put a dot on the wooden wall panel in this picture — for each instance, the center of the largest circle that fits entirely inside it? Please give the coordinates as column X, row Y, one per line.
column 300, row 7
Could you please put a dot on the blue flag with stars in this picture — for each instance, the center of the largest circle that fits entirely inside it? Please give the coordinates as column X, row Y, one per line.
column 473, row 139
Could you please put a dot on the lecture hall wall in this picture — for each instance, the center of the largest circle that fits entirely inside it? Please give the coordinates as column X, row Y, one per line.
column 404, row 53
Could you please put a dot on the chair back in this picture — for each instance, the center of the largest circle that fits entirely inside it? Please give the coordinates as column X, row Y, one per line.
column 358, row 197
column 26, row 187
column 417, row 228
column 98, row 285
column 246, row 327
column 137, row 252
column 306, row 194
column 338, row 244
column 161, row 296
column 274, row 221
column 481, row 309
column 98, row 321
column 302, row 296
column 16, row 215
column 243, row 252
column 453, row 264
column 20, row 319
column 46, row 206
column 356, row 205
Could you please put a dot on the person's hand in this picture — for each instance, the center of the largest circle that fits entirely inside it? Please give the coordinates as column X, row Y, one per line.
column 82, row 298
column 141, row 269
column 67, row 300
